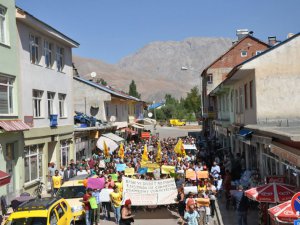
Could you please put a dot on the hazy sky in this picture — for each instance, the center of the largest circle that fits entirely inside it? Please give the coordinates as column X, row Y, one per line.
column 111, row 29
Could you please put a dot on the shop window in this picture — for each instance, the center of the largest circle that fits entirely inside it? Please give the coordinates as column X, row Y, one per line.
column 33, row 162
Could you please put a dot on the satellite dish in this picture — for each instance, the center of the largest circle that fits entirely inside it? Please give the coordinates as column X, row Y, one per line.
column 112, row 119
column 150, row 114
column 93, row 74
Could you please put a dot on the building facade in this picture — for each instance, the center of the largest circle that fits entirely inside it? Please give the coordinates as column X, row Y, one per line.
column 46, row 97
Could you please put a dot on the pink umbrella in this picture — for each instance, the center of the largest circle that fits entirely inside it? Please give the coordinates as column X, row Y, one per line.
column 283, row 213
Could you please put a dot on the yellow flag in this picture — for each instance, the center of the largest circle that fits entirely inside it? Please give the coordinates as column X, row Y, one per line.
column 121, row 151
column 177, row 148
column 158, row 156
column 182, row 150
column 106, row 151
column 145, row 154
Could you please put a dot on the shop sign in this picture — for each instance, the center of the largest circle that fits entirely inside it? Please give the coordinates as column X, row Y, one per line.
column 286, row 155
column 276, row 179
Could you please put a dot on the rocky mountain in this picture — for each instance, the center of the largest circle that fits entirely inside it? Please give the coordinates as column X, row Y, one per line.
column 156, row 68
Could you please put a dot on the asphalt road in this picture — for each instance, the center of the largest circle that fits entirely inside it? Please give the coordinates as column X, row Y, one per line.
column 174, row 132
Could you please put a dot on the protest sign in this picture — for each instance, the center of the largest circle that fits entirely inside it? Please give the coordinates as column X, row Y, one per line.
column 142, row 170
column 120, row 167
column 129, row 171
column 202, row 174
column 101, row 164
column 189, row 189
column 114, row 176
column 96, row 183
column 104, row 195
column 202, row 202
column 190, row 174
column 149, row 192
column 156, row 173
column 167, row 169
column 93, row 203
column 150, row 165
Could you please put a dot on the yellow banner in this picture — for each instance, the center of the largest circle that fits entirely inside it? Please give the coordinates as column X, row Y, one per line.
column 190, row 174
column 202, row 174
column 202, row 202
column 150, row 165
column 129, row 171
column 167, row 169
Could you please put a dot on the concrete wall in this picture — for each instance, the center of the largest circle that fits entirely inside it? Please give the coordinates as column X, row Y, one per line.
column 277, row 81
column 117, row 108
column 46, row 79
column 86, row 96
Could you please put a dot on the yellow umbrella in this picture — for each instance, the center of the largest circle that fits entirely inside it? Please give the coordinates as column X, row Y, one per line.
column 158, row 156
column 145, row 154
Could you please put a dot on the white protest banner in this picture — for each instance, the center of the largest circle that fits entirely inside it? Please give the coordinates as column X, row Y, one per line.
column 104, row 195
column 149, row 192
column 189, row 189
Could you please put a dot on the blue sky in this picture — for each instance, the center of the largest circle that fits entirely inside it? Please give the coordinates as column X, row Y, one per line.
column 111, row 29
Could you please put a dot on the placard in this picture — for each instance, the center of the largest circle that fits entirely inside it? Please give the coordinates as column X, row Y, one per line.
column 142, row 170
column 104, row 194
column 96, row 183
column 114, row 176
column 202, row 202
column 167, row 169
column 150, row 165
column 189, row 189
column 190, row 174
column 149, row 192
column 156, row 173
column 120, row 167
column 101, row 164
column 129, row 171
column 93, row 203
column 202, row 174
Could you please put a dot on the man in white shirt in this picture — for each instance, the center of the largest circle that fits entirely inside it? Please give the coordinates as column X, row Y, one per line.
column 215, row 170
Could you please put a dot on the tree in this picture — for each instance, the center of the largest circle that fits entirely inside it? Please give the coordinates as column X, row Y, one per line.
column 193, row 101
column 101, row 81
column 133, row 91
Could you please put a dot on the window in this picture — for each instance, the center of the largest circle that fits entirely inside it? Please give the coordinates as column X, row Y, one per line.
column 33, row 162
column 2, row 24
column 210, row 78
column 37, row 97
column 62, row 107
column 241, row 100
column 236, row 101
column 64, row 149
column 60, row 58
column 34, row 49
column 50, row 97
column 244, row 53
column 53, row 217
column 6, row 95
column 48, row 54
column 245, row 96
column 231, row 101
column 60, row 211
column 258, row 52
column 251, row 93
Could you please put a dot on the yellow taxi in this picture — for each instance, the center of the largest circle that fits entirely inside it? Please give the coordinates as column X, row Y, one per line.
column 42, row 211
column 72, row 191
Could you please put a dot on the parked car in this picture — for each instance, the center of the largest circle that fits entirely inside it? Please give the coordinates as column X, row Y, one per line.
column 73, row 191
column 177, row 122
column 42, row 211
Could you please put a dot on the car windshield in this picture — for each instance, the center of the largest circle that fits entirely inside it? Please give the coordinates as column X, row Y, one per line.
column 29, row 221
column 71, row 192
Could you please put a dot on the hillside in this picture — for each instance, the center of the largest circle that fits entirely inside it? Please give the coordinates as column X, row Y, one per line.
column 156, row 67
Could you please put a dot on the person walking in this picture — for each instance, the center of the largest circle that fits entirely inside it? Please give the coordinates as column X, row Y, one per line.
column 96, row 212
column 242, row 204
column 191, row 216
column 126, row 216
column 56, row 182
column 87, row 206
column 68, row 173
column 181, row 204
column 116, row 200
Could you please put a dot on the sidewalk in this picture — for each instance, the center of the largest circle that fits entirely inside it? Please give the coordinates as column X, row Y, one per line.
column 229, row 215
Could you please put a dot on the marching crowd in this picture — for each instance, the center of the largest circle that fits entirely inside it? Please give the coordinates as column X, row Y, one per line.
column 164, row 152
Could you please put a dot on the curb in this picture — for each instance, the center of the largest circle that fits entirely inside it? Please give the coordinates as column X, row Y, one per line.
column 218, row 213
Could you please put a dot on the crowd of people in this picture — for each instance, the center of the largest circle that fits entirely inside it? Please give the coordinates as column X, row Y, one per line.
column 190, row 210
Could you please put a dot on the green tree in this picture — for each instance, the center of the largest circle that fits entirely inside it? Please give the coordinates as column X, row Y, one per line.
column 193, row 101
column 101, row 81
column 133, row 90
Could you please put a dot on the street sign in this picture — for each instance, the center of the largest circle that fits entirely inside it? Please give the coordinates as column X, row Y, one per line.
column 295, row 203
column 296, row 222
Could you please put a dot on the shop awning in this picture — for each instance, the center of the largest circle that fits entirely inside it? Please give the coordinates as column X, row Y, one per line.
column 13, row 125
column 113, row 137
column 245, row 132
column 4, row 178
column 287, row 153
column 138, row 126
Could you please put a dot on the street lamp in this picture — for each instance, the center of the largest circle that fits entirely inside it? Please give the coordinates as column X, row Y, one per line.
column 184, row 68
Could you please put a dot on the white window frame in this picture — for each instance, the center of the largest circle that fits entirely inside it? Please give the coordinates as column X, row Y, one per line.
column 64, row 149
column 60, row 62
column 48, row 47
column 37, row 101
column 34, row 49
column 209, row 78
column 39, row 156
column 3, row 29
column 241, row 99
column 242, row 53
column 62, row 105
column 50, row 101
column 9, row 85
column 258, row 52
